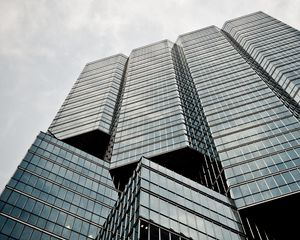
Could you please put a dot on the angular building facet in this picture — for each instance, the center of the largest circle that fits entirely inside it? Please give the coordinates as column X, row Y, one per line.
column 272, row 44
column 57, row 192
column 197, row 139
column 87, row 114
column 151, row 119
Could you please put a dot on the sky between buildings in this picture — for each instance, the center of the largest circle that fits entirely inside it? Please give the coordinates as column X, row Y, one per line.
column 45, row 44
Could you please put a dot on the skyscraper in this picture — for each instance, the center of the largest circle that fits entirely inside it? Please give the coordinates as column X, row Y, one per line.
column 197, row 139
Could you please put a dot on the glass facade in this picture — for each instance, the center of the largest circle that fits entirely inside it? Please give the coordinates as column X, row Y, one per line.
column 88, row 113
column 160, row 204
column 256, row 136
column 274, row 45
column 151, row 120
column 91, row 102
column 209, row 172
column 161, row 116
column 200, row 140
column 57, row 192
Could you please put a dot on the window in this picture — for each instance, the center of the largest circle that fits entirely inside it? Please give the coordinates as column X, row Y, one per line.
column 174, row 237
column 154, row 232
column 144, row 228
column 164, row 235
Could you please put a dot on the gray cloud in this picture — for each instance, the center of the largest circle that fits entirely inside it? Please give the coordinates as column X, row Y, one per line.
column 45, row 44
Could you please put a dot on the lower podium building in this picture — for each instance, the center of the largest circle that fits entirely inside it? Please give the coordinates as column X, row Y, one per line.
column 197, row 139
column 57, row 192
column 158, row 203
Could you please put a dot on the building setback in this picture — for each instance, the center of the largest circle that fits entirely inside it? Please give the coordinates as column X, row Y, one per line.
column 197, row 139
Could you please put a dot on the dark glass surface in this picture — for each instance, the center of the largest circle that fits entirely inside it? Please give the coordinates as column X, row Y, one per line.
column 57, row 191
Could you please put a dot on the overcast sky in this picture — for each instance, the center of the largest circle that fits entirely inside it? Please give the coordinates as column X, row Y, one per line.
column 44, row 45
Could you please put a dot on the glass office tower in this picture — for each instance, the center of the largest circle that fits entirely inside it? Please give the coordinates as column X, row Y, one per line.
column 256, row 135
column 197, row 139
